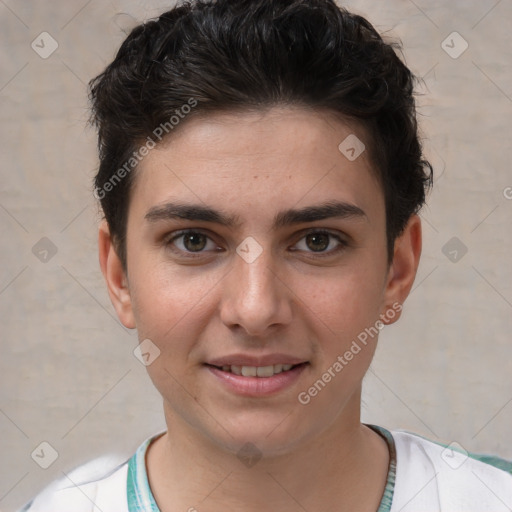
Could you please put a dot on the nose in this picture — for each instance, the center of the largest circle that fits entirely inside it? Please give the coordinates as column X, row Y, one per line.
column 255, row 297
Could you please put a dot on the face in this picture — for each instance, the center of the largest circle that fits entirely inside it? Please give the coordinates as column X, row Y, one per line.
column 253, row 242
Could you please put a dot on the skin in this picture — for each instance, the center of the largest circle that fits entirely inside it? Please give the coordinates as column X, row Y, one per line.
column 290, row 300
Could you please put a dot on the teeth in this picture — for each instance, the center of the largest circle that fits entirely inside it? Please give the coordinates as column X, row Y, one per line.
column 265, row 371
column 257, row 371
column 249, row 371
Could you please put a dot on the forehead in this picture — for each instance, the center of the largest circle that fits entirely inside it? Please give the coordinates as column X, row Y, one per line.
column 255, row 162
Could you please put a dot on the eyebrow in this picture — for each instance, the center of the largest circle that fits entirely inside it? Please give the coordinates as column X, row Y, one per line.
column 197, row 212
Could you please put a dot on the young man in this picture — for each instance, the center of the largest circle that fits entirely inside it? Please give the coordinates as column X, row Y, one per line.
column 260, row 175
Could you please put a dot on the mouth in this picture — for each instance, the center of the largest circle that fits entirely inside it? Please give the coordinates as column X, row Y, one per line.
column 257, row 381
column 257, row 371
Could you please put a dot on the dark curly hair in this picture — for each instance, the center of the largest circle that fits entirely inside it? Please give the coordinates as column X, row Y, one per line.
column 241, row 55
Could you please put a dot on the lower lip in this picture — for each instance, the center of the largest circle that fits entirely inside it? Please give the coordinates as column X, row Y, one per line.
column 258, row 386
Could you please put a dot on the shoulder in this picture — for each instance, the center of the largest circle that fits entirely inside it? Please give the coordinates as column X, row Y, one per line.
column 99, row 484
column 429, row 472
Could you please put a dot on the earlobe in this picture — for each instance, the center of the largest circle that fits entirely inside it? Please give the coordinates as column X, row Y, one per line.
column 115, row 277
column 402, row 271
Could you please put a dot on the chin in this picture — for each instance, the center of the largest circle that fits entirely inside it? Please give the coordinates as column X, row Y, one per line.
column 267, row 434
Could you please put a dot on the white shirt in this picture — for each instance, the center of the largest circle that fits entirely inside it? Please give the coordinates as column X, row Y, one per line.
column 423, row 476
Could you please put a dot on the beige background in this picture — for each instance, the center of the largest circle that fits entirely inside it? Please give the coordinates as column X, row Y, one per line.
column 67, row 369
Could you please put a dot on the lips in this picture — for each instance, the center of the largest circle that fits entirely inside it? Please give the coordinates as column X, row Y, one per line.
column 257, row 386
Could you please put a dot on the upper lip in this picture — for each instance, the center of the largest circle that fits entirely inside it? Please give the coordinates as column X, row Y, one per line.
column 246, row 360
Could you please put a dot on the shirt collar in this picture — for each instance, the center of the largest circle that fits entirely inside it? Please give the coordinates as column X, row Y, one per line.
column 141, row 499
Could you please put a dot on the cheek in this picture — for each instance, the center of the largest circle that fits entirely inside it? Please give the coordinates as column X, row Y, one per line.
column 344, row 304
column 344, row 313
column 170, row 305
column 168, row 309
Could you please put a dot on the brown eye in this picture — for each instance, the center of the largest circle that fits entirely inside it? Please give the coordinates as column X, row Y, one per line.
column 194, row 241
column 189, row 242
column 317, row 241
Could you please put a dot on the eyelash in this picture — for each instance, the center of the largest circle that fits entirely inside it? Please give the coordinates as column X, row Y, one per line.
column 190, row 254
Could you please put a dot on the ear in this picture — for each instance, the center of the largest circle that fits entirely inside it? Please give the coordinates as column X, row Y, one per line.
column 115, row 277
column 402, row 271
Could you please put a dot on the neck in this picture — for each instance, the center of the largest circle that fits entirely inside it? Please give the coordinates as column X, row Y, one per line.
column 343, row 468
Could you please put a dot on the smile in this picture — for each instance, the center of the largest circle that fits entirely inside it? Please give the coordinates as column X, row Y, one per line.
column 257, row 381
column 256, row 371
